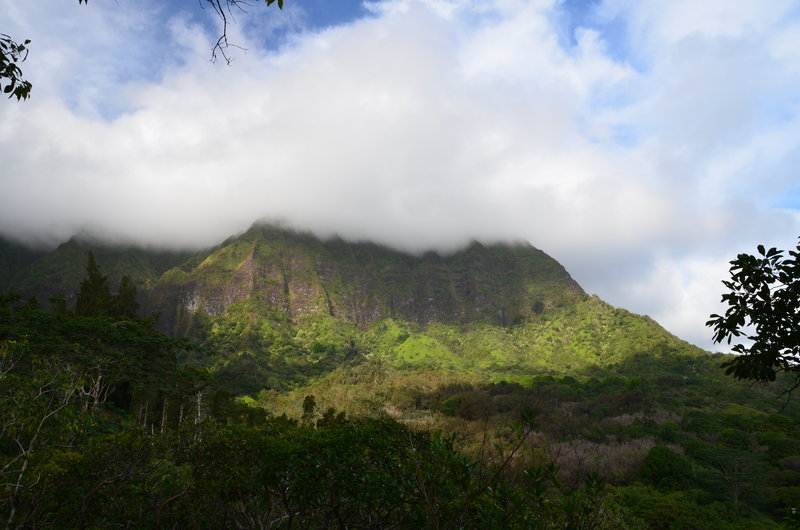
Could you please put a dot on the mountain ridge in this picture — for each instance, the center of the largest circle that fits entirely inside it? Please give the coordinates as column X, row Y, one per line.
column 281, row 307
column 300, row 274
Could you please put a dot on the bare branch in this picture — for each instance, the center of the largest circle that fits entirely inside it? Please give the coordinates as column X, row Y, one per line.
column 225, row 10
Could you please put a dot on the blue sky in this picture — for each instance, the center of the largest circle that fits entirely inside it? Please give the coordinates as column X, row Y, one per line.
column 642, row 144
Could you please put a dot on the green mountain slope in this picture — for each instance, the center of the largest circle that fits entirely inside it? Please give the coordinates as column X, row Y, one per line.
column 282, row 308
column 300, row 275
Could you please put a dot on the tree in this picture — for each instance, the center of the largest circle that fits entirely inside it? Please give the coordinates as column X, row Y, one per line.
column 309, row 410
column 94, row 298
column 123, row 305
column 37, row 416
column 12, row 53
column 764, row 307
column 665, row 468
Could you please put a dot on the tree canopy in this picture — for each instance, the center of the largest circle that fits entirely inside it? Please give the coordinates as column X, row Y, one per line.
column 95, row 299
column 764, row 308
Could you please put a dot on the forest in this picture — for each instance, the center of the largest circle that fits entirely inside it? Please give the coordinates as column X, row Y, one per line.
column 107, row 422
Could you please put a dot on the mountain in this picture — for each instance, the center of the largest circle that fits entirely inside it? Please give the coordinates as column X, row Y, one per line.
column 299, row 275
column 283, row 308
column 280, row 308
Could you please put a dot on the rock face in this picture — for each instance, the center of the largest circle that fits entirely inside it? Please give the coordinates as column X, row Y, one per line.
column 299, row 275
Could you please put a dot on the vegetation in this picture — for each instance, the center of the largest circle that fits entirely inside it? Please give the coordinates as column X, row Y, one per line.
column 577, row 415
column 764, row 306
column 95, row 300
column 101, row 427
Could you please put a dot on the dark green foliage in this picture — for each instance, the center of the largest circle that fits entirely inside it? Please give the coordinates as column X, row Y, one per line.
column 352, row 475
column 112, row 478
column 763, row 306
column 665, row 468
column 94, row 297
column 245, row 375
column 676, row 512
column 15, row 258
column 123, row 304
column 364, row 474
column 39, row 417
column 58, row 305
column 309, row 410
column 127, row 363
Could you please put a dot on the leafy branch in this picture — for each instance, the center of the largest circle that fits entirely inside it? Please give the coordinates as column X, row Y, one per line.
column 764, row 307
column 11, row 55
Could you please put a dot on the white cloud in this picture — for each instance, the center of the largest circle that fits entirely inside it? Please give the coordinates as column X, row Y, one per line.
column 424, row 125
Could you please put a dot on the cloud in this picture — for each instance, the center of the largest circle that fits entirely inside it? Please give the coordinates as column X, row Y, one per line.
column 643, row 155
